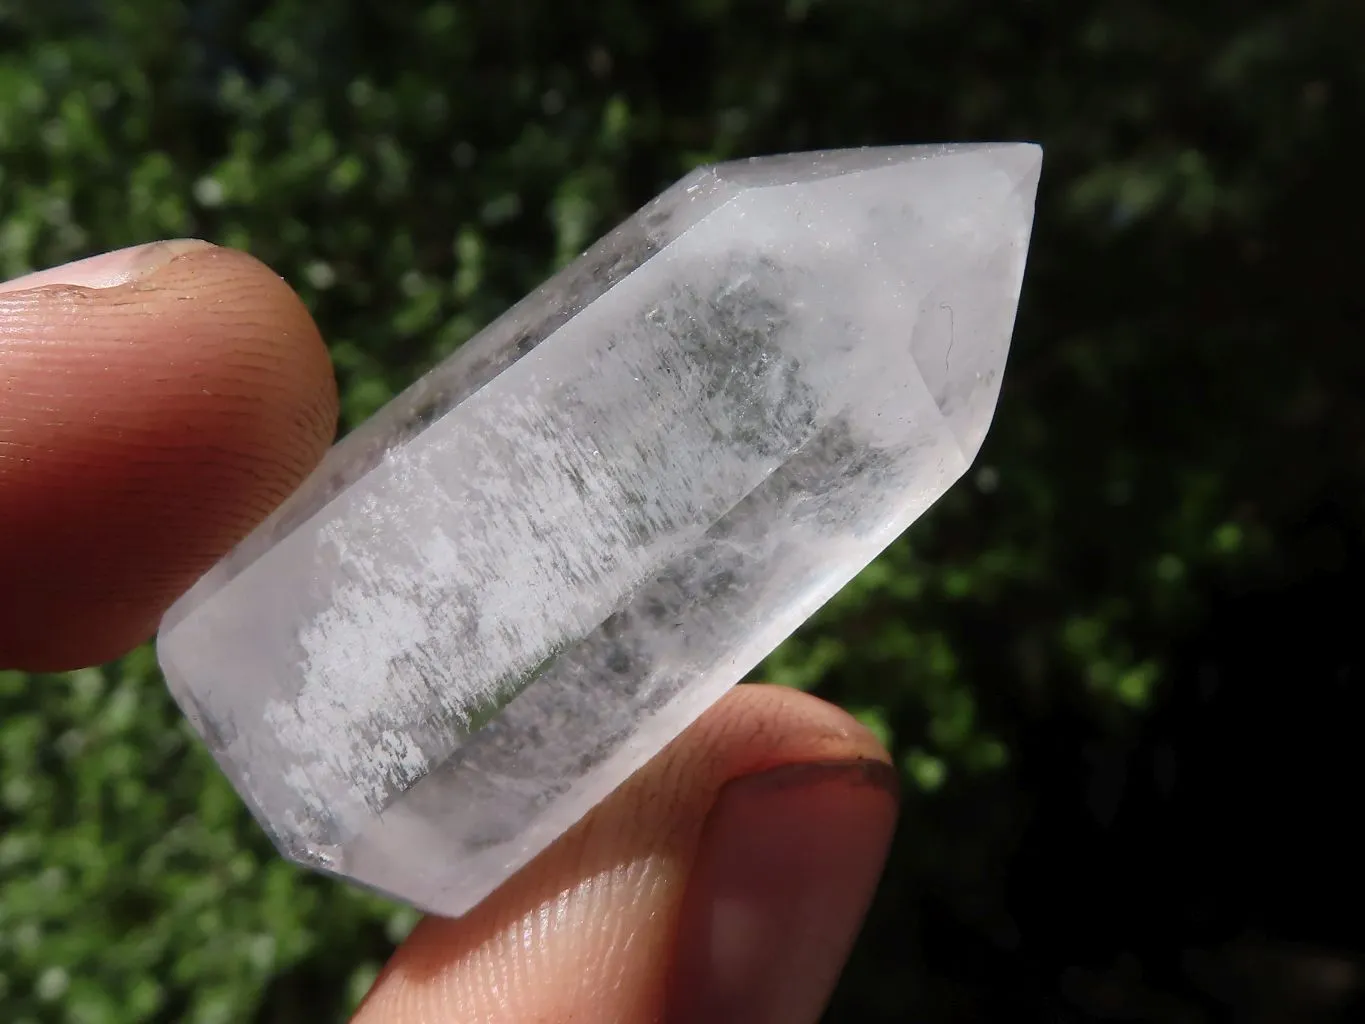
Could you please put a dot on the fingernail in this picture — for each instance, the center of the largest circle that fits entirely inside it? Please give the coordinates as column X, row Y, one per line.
column 788, row 863
column 109, row 269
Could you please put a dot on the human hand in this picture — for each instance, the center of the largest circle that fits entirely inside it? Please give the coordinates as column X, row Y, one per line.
column 155, row 404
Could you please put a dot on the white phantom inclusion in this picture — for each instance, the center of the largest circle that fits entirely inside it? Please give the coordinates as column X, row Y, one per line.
column 528, row 573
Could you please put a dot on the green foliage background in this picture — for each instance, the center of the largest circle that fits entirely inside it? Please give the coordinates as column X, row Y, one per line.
column 1185, row 385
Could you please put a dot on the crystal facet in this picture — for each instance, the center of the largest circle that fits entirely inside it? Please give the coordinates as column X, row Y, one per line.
column 529, row 572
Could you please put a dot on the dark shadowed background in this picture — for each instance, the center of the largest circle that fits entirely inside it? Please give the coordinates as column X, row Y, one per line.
column 1119, row 664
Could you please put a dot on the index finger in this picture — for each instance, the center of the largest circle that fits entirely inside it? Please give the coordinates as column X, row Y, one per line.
column 155, row 405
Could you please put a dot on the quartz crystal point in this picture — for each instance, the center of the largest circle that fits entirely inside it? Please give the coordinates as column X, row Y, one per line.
column 516, row 583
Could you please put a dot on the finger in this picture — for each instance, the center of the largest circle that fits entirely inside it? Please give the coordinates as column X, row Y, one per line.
column 725, row 882
column 155, row 404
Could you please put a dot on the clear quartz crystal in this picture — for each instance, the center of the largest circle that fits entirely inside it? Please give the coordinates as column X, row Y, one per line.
column 528, row 573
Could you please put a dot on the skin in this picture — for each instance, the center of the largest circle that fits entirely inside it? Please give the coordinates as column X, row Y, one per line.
column 155, row 404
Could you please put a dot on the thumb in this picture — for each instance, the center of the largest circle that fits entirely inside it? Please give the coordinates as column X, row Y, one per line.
column 725, row 882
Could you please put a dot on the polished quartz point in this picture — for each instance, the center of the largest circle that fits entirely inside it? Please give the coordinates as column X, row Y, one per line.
column 528, row 573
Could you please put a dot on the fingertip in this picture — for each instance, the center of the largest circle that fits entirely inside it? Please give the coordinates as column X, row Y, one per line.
column 592, row 929
column 785, row 871
column 146, row 428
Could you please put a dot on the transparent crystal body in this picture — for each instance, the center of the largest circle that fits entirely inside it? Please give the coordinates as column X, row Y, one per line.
column 528, row 573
